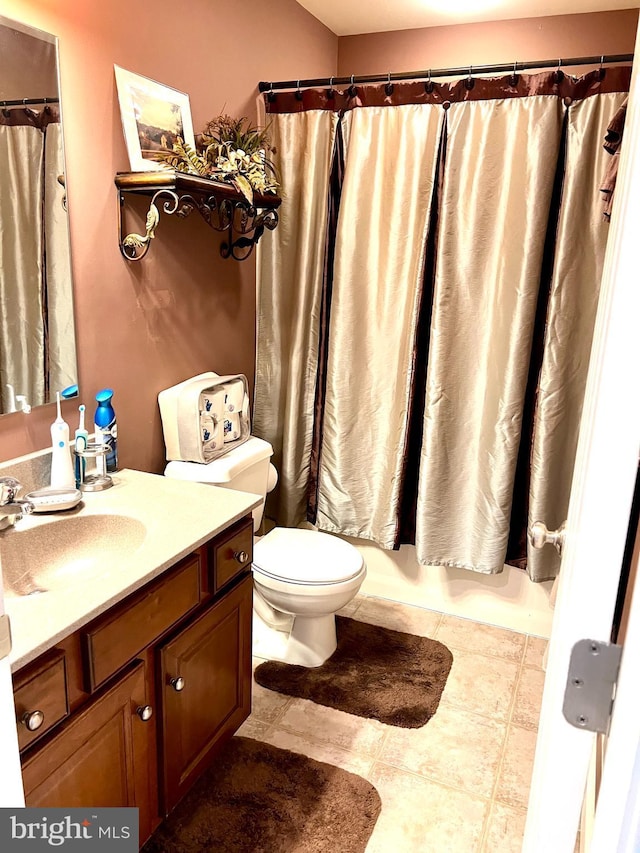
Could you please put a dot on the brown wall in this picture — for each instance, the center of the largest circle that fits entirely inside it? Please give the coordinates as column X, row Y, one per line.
column 488, row 43
column 142, row 327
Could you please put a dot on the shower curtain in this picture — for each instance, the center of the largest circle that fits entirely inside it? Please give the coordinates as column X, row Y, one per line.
column 21, row 263
column 61, row 334
column 37, row 341
column 453, row 200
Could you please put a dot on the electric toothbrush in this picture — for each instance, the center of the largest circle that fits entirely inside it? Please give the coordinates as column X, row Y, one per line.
column 62, row 473
column 81, row 439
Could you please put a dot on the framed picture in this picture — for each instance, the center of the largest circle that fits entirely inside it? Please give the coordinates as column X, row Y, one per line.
column 153, row 116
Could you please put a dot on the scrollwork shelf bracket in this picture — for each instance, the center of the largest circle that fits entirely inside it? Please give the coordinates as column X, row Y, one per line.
column 242, row 223
column 135, row 246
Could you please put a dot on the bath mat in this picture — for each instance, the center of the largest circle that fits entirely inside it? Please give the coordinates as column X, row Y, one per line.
column 391, row 676
column 257, row 797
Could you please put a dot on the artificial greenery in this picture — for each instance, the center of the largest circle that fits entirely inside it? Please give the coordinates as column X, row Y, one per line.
column 229, row 150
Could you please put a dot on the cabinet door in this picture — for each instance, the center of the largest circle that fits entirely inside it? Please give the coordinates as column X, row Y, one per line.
column 99, row 758
column 205, row 678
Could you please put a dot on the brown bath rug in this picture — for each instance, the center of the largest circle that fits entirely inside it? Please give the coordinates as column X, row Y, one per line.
column 259, row 798
column 390, row 676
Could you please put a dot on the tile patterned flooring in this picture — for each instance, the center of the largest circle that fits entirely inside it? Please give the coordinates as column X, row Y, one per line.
column 461, row 782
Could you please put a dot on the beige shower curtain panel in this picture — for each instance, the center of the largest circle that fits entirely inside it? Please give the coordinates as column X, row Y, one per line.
column 290, row 276
column 390, row 160
column 581, row 242
column 501, row 161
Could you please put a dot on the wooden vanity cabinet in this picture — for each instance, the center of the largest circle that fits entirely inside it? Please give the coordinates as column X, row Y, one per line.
column 205, row 682
column 100, row 757
column 136, row 704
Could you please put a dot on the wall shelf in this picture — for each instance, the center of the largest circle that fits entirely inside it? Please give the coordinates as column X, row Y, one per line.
column 221, row 206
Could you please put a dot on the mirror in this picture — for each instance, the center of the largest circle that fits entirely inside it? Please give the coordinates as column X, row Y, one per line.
column 37, row 333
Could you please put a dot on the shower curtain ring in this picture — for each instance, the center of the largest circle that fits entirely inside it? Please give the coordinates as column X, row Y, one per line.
column 331, row 93
column 559, row 73
column 298, row 92
column 389, row 87
column 271, row 95
column 352, row 91
column 601, row 71
column 514, row 75
column 469, row 82
column 428, row 86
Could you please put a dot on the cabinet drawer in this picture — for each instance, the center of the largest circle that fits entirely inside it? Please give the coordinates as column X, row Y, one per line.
column 231, row 554
column 41, row 693
column 114, row 640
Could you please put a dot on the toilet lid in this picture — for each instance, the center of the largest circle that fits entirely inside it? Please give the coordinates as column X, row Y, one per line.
column 305, row 557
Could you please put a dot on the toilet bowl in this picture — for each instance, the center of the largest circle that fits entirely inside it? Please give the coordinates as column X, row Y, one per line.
column 308, row 576
column 301, row 577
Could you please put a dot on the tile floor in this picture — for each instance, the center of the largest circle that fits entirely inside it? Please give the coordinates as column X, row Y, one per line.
column 461, row 782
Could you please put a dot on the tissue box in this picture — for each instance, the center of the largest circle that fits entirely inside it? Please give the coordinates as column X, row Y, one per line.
column 194, row 414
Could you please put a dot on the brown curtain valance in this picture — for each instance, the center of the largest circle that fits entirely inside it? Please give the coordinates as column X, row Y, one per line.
column 21, row 116
column 569, row 89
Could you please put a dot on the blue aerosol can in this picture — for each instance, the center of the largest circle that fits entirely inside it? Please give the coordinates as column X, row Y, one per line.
column 106, row 428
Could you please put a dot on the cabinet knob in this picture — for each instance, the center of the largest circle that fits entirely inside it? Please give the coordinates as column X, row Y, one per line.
column 32, row 720
column 145, row 712
column 241, row 556
column 177, row 683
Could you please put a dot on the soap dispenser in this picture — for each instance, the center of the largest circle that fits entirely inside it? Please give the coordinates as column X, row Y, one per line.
column 62, row 473
column 106, row 428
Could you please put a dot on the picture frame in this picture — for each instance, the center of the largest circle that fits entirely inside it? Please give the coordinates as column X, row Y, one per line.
column 153, row 115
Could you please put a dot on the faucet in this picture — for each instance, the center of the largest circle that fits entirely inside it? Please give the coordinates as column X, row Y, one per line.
column 12, row 509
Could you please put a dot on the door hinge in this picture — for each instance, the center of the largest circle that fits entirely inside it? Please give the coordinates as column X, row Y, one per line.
column 5, row 636
column 591, row 685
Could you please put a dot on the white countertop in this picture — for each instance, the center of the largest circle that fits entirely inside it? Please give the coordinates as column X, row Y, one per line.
column 178, row 517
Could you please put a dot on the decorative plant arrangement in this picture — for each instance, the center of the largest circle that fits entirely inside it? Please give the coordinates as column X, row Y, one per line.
column 228, row 150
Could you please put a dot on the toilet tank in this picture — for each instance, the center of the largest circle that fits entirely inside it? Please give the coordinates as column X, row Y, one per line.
column 244, row 469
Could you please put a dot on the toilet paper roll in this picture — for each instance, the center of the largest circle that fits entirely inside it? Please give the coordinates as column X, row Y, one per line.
column 231, row 427
column 207, row 428
column 206, row 404
column 234, row 396
column 212, row 404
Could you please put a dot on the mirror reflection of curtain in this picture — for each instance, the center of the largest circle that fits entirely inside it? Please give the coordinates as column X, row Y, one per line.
column 61, row 338
column 22, row 348
column 506, row 148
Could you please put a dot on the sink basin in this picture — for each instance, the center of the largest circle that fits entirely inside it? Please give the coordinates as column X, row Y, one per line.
column 61, row 553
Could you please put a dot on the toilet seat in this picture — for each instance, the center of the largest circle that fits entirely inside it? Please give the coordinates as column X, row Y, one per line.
column 305, row 557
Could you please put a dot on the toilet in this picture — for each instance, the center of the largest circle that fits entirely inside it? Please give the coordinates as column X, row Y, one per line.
column 301, row 577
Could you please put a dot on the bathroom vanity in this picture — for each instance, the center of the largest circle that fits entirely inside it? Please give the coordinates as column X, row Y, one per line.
column 129, row 679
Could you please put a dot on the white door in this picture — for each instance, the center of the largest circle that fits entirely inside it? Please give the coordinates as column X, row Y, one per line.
column 601, row 495
column 617, row 821
column 11, row 791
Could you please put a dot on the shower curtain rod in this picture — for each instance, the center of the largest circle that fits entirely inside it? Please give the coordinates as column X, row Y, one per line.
column 25, row 102
column 447, row 72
